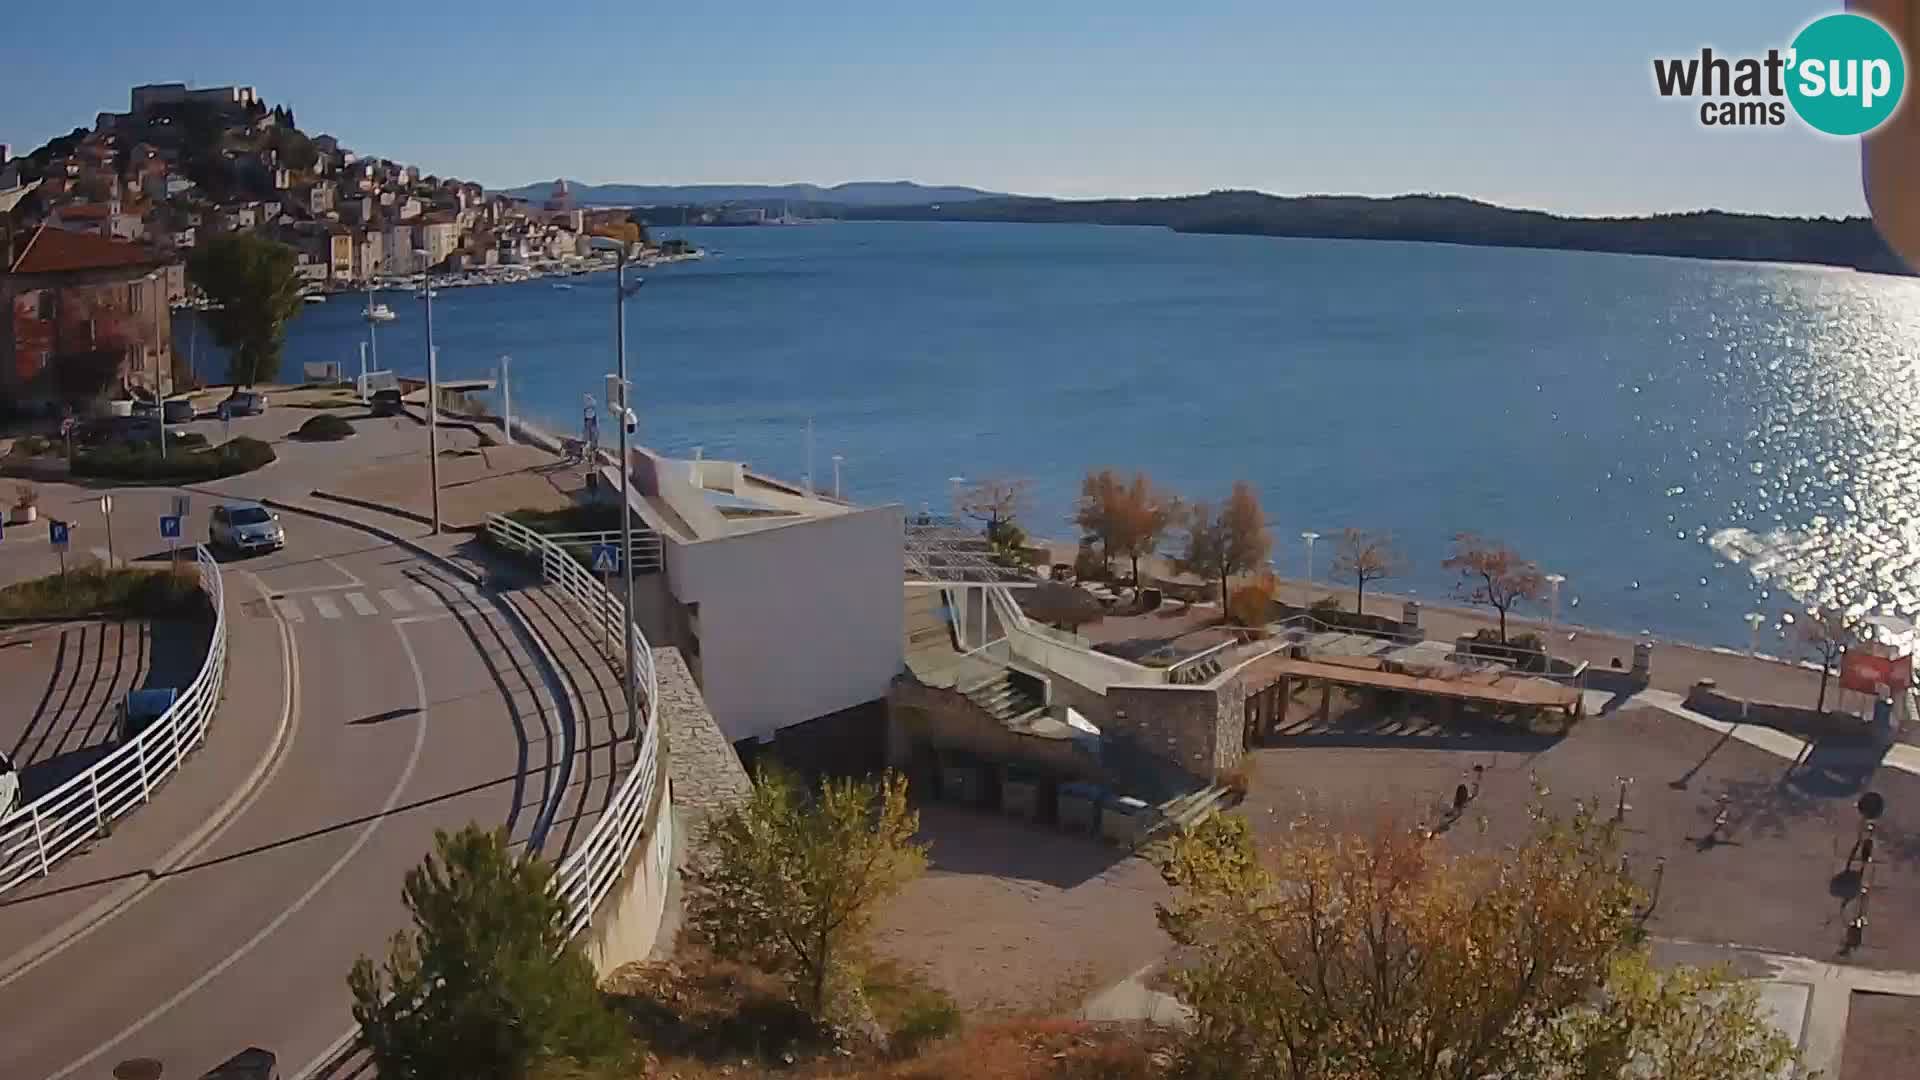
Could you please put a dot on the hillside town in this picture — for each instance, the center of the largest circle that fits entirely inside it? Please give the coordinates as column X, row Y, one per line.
column 96, row 227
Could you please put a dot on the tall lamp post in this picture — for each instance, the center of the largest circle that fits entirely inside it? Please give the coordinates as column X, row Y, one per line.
column 1754, row 619
column 623, row 412
column 837, row 459
column 1307, row 589
column 433, row 387
column 1554, row 581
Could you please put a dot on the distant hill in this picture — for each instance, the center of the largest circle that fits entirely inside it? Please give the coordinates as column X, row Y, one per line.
column 1703, row 234
column 858, row 193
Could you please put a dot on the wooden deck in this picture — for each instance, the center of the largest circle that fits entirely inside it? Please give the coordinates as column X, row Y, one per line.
column 1489, row 687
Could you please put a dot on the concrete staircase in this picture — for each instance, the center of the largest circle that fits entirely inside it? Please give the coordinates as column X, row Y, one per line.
column 1004, row 698
column 1178, row 813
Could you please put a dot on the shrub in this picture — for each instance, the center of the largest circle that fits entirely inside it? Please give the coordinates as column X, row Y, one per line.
column 32, row 445
column 1252, row 604
column 325, row 427
column 1526, row 652
column 142, row 463
column 25, row 496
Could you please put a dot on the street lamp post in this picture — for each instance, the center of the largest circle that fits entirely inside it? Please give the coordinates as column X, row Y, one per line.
column 955, row 482
column 1307, row 589
column 1754, row 619
column 433, row 389
column 837, row 459
column 506, row 396
column 1553, row 610
column 624, row 414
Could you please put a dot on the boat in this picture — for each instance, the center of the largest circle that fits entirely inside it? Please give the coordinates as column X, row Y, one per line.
column 562, row 285
column 378, row 313
column 315, row 298
column 423, row 294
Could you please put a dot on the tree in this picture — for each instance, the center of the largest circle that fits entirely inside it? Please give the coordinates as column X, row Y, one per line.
column 1065, row 606
column 1684, row 1024
column 1252, row 603
column 1340, row 956
column 488, row 983
column 1365, row 556
column 1491, row 575
column 792, row 883
column 995, row 503
column 1095, row 513
column 1233, row 541
column 1141, row 517
column 1825, row 635
column 255, row 289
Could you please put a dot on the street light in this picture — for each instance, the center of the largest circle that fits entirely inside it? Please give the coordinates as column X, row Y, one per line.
column 1307, row 590
column 1754, row 619
column 837, row 459
column 625, row 413
column 433, row 387
column 1553, row 618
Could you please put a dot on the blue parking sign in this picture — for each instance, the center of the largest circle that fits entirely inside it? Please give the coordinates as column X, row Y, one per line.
column 57, row 532
column 169, row 527
column 606, row 558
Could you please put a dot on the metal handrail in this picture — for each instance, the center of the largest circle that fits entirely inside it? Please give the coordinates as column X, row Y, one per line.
column 592, row 869
column 56, row 824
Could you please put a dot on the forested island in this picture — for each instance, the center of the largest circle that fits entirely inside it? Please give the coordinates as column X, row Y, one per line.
column 1705, row 234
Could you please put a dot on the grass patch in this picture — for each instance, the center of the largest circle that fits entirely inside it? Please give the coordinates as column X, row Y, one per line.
column 95, row 590
column 911, row 1010
column 325, row 427
column 143, row 464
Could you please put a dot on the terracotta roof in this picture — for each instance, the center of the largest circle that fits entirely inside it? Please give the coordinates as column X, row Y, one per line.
column 53, row 250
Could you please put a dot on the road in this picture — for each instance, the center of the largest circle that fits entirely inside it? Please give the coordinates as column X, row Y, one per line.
column 416, row 705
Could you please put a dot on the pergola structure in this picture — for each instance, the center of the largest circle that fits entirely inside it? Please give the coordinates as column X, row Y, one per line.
column 943, row 553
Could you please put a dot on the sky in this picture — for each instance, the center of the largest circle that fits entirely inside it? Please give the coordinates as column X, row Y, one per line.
column 1532, row 105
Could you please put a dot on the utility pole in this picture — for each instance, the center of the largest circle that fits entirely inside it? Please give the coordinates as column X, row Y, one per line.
column 433, row 396
column 625, row 416
column 506, row 395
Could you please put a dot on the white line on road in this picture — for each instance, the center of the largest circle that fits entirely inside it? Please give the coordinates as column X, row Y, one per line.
column 325, row 606
column 396, row 599
column 366, row 834
column 361, row 605
column 289, row 610
column 345, row 573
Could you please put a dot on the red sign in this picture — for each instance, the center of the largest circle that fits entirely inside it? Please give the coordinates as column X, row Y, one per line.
column 1868, row 673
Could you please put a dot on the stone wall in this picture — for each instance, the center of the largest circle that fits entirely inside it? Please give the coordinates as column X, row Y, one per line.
column 707, row 774
column 1198, row 728
column 922, row 718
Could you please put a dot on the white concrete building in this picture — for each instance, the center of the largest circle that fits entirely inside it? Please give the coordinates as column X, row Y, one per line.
column 785, row 604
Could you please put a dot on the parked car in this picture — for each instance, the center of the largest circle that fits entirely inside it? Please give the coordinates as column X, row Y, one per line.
column 386, row 403
column 9, row 785
column 245, row 527
column 252, row 1063
column 177, row 411
column 145, row 410
column 245, row 403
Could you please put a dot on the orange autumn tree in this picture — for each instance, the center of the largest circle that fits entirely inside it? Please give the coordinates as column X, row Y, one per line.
column 1141, row 515
column 1233, row 540
column 1098, row 512
column 1380, row 956
column 1491, row 575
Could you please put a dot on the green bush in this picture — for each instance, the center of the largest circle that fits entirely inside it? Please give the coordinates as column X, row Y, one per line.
column 1526, row 652
column 96, row 590
column 31, row 445
column 142, row 463
column 325, row 427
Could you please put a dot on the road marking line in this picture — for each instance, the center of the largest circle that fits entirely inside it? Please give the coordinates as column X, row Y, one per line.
column 345, row 573
column 325, row 606
column 396, row 599
column 289, row 610
column 361, row 605
column 366, row 834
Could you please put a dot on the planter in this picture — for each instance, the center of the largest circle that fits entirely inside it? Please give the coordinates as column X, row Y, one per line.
column 24, row 515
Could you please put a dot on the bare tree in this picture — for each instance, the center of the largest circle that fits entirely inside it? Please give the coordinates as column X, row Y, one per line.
column 1229, row 542
column 1096, row 512
column 1491, row 575
column 1142, row 515
column 995, row 502
column 1825, row 635
column 1365, row 556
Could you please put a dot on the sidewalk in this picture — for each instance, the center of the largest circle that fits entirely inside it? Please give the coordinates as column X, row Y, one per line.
column 250, row 727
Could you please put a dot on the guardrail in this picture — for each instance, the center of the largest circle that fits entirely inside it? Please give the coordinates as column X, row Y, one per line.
column 63, row 820
column 592, row 869
column 646, row 545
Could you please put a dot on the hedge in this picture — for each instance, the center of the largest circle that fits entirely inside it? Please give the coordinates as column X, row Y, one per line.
column 143, row 464
column 95, row 590
column 325, row 427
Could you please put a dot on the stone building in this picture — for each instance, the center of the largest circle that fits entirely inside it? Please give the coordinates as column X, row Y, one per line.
column 82, row 316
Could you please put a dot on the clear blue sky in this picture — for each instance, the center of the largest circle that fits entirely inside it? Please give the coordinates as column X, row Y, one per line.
column 1522, row 104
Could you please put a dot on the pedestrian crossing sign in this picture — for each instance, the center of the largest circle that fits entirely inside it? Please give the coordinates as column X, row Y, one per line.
column 606, row 558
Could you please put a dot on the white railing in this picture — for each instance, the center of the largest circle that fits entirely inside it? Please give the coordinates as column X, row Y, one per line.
column 592, row 869
column 65, row 819
column 646, row 545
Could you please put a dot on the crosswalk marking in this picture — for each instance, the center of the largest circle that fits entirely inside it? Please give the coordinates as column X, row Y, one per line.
column 325, row 606
column 361, row 605
column 396, row 599
column 289, row 610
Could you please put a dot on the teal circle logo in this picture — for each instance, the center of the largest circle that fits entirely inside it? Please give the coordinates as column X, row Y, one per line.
column 1847, row 74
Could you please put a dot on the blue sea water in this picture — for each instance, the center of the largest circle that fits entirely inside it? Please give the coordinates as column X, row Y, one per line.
column 1686, row 441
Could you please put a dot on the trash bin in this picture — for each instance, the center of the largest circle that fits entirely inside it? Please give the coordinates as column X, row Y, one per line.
column 1122, row 819
column 143, row 707
column 1080, row 806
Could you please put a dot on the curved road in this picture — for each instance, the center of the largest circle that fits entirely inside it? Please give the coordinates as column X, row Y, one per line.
column 416, row 705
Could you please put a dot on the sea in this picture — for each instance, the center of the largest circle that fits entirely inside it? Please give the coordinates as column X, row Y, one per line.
column 1686, row 441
